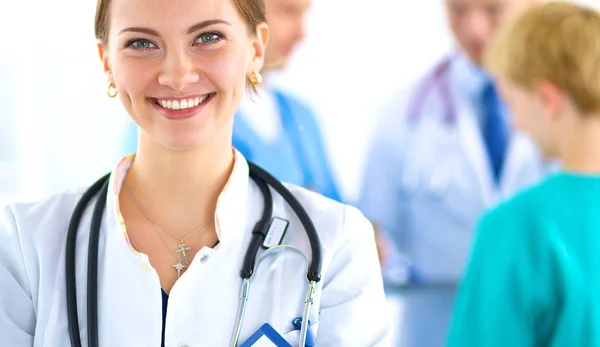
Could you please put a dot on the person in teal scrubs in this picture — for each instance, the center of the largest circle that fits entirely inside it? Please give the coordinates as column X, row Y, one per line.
column 533, row 277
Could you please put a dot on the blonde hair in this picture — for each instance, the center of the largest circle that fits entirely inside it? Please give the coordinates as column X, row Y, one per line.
column 554, row 41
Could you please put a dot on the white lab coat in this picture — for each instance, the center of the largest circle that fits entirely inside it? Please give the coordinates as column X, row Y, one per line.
column 349, row 310
column 427, row 181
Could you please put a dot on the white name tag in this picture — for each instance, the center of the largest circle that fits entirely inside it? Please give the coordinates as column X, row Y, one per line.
column 276, row 232
column 264, row 342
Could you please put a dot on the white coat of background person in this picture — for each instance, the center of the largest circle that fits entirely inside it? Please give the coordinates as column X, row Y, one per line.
column 180, row 213
column 444, row 152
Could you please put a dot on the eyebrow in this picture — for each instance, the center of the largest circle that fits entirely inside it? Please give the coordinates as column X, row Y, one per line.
column 193, row 28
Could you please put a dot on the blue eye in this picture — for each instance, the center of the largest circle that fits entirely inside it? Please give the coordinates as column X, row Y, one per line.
column 141, row 44
column 208, row 38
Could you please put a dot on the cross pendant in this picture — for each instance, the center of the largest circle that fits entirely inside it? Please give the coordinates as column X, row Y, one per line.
column 182, row 249
column 179, row 267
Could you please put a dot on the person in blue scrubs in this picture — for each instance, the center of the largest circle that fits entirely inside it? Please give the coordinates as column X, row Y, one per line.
column 273, row 128
column 533, row 278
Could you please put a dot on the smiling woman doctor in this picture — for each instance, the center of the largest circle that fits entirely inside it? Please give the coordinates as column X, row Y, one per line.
column 177, row 222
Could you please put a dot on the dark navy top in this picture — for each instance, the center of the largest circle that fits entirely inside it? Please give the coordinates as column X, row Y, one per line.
column 165, row 300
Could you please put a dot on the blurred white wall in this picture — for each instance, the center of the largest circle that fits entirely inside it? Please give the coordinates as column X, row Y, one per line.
column 67, row 131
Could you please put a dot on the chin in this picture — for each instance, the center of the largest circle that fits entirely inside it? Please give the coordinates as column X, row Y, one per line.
column 186, row 130
column 195, row 136
column 476, row 56
column 187, row 140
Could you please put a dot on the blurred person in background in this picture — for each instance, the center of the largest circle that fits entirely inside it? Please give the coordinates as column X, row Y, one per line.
column 276, row 130
column 444, row 152
column 534, row 273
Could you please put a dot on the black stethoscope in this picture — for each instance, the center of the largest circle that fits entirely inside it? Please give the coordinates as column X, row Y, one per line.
column 262, row 179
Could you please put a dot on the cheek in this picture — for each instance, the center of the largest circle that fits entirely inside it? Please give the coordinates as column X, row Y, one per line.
column 528, row 120
column 517, row 119
column 517, row 114
column 226, row 70
column 132, row 76
column 285, row 28
column 456, row 26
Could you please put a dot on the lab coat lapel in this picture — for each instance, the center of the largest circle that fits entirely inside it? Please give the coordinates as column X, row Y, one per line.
column 129, row 297
column 128, row 311
column 203, row 302
column 131, row 306
column 473, row 146
column 209, row 291
column 465, row 81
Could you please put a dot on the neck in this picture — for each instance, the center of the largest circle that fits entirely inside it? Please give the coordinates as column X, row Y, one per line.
column 580, row 149
column 179, row 189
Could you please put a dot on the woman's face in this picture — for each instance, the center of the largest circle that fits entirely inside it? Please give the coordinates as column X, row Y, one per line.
column 180, row 66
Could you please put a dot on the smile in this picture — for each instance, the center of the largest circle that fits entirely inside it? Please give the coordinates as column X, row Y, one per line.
column 181, row 104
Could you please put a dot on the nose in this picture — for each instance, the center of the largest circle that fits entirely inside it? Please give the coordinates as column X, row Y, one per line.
column 178, row 71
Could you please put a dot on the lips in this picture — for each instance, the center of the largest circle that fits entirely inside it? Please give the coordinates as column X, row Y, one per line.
column 180, row 108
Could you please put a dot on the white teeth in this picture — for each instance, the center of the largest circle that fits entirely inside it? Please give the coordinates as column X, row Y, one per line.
column 182, row 104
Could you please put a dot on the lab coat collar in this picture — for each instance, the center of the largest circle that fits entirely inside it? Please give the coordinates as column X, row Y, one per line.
column 230, row 213
column 469, row 81
column 470, row 78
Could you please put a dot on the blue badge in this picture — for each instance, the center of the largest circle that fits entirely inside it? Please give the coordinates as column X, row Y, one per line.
column 266, row 336
column 310, row 336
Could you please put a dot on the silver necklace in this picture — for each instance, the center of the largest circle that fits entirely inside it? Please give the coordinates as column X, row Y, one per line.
column 182, row 249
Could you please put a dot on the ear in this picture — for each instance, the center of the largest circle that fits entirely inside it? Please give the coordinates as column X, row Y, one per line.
column 259, row 45
column 104, row 57
column 551, row 97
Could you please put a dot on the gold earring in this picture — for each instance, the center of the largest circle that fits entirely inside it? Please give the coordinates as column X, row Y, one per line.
column 255, row 78
column 112, row 91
